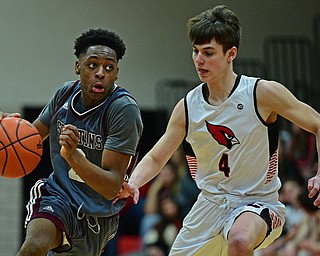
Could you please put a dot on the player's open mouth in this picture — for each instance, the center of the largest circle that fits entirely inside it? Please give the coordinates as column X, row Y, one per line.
column 98, row 88
column 202, row 72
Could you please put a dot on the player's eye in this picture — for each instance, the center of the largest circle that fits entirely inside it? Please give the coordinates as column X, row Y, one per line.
column 92, row 65
column 109, row 67
column 208, row 54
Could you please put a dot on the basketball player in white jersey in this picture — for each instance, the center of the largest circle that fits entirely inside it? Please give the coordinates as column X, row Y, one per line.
column 230, row 124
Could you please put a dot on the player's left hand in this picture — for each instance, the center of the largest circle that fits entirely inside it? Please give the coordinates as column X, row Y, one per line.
column 314, row 189
column 68, row 140
column 126, row 191
column 3, row 115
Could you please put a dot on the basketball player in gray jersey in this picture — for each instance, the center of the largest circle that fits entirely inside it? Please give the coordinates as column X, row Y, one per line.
column 230, row 124
column 94, row 127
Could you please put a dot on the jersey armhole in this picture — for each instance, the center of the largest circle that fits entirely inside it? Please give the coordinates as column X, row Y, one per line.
column 256, row 107
column 186, row 115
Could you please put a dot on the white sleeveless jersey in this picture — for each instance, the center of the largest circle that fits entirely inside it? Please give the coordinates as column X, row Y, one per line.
column 234, row 149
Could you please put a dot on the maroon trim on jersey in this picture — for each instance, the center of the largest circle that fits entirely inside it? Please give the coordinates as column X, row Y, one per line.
column 54, row 219
column 36, row 193
column 133, row 161
column 191, row 158
column 66, row 97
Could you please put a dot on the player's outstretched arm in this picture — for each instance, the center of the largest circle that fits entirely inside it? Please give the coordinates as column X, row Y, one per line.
column 275, row 99
column 152, row 163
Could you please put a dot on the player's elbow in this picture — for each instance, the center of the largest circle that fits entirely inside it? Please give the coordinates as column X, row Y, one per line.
column 109, row 194
column 112, row 190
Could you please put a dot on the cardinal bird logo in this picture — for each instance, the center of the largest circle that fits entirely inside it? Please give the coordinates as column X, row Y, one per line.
column 223, row 135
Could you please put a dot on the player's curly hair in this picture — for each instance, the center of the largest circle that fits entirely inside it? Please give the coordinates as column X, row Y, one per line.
column 99, row 37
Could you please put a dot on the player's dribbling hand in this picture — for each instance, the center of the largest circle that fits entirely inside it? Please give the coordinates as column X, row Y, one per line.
column 314, row 189
column 128, row 190
column 3, row 115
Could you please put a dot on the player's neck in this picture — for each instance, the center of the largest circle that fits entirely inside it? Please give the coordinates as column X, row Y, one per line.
column 219, row 91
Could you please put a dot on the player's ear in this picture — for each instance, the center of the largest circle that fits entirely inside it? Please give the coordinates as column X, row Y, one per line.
column 77, row 68
column 117, row 75
column 232, row 53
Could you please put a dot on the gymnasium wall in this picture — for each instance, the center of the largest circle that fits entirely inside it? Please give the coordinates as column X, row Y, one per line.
column 36, row 54
column 37, row 39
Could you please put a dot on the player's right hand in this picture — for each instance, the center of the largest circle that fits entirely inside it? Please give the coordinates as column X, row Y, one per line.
column 69, row 139
column 127, row 190
column 314, row 189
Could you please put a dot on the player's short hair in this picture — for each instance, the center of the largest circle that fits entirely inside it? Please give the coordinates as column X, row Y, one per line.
column 99, row 37
column 219, row 23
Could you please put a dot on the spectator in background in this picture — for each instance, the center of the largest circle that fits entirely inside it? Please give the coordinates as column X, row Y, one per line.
column 161, row 236
column 289, row 195
column 187, row 190
column 301, row 151
column 303, row 239
column 163, row 186
column 310, row 243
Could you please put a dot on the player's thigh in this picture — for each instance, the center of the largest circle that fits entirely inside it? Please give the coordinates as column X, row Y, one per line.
column 248, row 227
column 42, row 232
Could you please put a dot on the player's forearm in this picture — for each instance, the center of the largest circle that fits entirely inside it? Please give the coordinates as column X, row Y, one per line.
column 145, row 171
column 94, row 176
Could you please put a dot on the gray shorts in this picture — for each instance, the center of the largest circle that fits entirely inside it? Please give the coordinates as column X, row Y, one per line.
column 83, row 234
column 206, row 227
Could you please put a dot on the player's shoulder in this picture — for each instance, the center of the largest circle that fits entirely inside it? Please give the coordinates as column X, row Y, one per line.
column 179, row 111
column 63, row 91
column 66, row 87
column 123, row 104
column 195, row 93
column 271, row 92
column 122, row 97
column 269, row 86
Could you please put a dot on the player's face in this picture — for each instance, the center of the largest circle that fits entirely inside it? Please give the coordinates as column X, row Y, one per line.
column 210, row 61
column 98, row 70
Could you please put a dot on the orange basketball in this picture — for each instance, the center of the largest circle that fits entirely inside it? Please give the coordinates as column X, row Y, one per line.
column 20, row 147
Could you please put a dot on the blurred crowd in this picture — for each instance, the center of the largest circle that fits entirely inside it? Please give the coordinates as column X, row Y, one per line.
column 157, row 218
column 297, row 163
column 165, row 201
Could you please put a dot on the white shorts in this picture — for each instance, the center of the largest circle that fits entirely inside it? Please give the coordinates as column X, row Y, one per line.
column 208, row 223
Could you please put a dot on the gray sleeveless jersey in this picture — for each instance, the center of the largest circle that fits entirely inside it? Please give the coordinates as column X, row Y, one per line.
column 115, row 124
